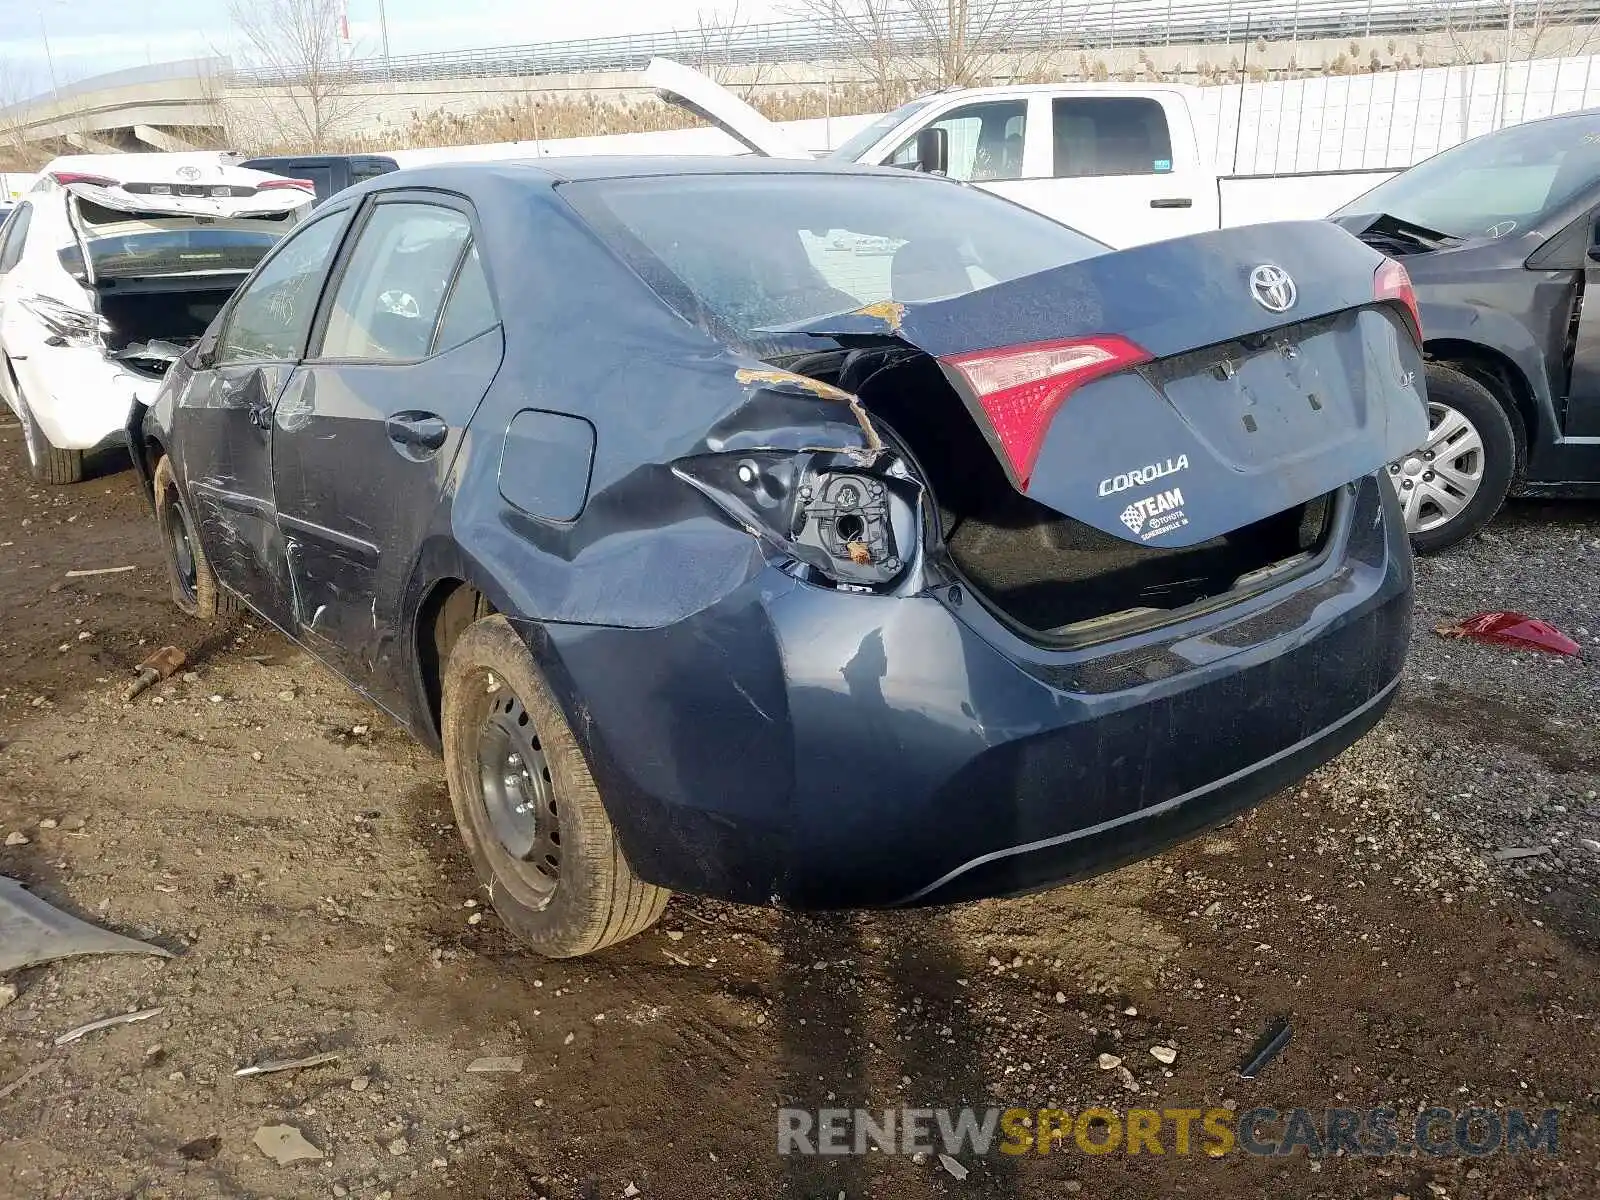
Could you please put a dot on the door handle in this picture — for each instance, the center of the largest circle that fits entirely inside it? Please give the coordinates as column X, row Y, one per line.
column 1173, row 202
column 418, row 433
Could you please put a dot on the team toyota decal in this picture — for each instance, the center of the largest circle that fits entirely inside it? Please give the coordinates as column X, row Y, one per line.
column 1156, row 515
column 1144, row 475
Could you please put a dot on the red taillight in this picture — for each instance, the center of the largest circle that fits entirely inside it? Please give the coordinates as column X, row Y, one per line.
column 66, row 177
column 1021, row 387
column 1393, row 283
column 301, row 185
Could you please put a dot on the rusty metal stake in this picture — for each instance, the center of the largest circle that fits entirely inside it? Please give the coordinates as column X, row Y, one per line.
column 152, row 670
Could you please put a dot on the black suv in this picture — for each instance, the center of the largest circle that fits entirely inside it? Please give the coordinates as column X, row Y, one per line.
column 328, row 173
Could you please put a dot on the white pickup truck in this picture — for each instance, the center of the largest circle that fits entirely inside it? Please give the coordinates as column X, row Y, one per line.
column 1125, row 163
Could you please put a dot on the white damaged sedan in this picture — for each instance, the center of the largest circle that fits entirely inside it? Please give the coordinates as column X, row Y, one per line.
column 109, row 268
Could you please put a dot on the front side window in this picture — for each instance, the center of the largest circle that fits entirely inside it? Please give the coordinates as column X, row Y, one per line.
column 986, row 141
column 273, row 313
column 1110, row 135
column 395, row 283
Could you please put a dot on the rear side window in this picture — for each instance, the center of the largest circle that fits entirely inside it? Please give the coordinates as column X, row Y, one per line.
column 986, row 141
column 1111, row 135
column 12, row 234
column 395, row 283
column 272, row 315
column 470, row 309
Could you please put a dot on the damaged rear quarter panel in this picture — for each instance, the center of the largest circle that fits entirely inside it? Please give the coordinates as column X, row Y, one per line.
column 647, row 549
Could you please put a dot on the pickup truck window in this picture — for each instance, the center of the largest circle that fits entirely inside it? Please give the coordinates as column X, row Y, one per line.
column 867, row 137
column 985, row 141
column 1111, row 135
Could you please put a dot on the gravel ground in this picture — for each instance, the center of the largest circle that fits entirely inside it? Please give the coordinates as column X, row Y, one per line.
column 1506, row 753
column 295, row 851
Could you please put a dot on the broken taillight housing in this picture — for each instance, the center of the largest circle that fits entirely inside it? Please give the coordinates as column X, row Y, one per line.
column 68, row 326
column 847, row 519
column 66, row 177
column 1021, row 387
column 1391, row 283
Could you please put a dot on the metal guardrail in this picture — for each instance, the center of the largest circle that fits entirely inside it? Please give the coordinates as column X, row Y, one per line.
column 1029, row 26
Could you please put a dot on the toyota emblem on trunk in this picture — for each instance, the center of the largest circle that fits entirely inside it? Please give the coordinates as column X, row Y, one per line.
column 1272, row 288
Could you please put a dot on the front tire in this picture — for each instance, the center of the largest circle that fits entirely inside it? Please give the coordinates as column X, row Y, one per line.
column 195, row 589
column 1456, row 482
column 46, row 463
column 527, row 805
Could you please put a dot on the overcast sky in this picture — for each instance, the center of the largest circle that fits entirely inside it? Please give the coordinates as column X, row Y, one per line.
column 88, row 37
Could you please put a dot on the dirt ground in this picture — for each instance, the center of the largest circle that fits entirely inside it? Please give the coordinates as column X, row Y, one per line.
column 296, row 852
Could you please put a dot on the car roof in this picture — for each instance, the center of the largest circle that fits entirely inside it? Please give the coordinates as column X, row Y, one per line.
column 550, row 171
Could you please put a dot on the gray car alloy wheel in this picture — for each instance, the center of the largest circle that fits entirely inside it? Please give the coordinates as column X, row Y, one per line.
column 1439, row 480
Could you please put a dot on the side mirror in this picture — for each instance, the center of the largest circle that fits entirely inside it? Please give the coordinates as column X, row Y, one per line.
column 933, row 150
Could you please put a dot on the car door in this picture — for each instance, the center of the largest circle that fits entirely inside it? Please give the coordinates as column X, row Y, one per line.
column 1581, row 252
column 1114, row 172
column 224, row 420
column 408, row 344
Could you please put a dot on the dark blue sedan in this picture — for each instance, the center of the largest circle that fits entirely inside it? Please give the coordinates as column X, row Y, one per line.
column 804, row 534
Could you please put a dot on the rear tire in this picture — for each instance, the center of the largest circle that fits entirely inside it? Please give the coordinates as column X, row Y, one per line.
column 1475, row 454
column 195, row 589
column 46, row 463
column 527, row 805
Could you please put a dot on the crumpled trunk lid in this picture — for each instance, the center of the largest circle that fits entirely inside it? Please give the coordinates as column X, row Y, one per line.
column 1240, row 405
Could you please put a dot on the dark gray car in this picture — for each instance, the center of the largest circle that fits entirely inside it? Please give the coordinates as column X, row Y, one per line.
column 804, row 534
column 1501, row 239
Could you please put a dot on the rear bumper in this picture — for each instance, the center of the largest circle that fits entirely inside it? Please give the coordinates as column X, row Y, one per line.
column 827, row 750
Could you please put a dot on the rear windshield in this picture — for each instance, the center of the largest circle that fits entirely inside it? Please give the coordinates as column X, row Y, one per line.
column 175, row 252
column 1496, row 185
column 130, row 245
column 753, row 252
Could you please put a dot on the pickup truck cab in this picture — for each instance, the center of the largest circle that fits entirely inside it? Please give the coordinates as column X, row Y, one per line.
column 1124, row 163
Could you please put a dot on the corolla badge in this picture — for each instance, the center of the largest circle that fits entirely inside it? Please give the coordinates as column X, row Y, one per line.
column 1272, row 288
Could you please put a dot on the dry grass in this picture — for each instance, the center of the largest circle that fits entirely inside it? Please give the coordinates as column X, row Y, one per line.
column 535, row 117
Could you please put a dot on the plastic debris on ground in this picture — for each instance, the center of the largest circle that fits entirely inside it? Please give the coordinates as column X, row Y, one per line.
column 33, row 932
column 1511, row 629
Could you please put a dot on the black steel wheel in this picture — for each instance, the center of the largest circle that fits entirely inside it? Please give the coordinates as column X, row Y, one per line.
column 526, row 803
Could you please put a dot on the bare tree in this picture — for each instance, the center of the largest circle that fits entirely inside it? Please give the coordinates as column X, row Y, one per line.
column 298, row 48
column 911, row 45
column 718, row 33
column 15, row 87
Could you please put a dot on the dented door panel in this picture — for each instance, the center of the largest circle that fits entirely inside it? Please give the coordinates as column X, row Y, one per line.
column 354, row 499
column 224, row 417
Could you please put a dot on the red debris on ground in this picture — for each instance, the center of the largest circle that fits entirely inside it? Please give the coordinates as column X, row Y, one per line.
column 1511, row 629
